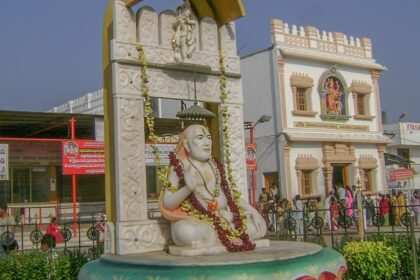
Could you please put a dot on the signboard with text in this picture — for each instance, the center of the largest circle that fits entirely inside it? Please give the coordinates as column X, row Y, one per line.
column 410, row 133
column 34, row 153
column 164, row 150
column 400, row 174
column 4, row 162
column 82, row 157
column 318, row 125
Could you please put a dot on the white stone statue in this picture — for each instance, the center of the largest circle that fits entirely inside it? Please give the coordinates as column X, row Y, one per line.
column 203, row 210
column 185, row 37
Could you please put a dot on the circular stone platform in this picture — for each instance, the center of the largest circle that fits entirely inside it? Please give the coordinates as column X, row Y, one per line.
column 281, row 260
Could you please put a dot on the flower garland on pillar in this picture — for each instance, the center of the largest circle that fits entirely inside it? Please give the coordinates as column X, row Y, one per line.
column 234, row 239
column 226, row 137
column 148, row 111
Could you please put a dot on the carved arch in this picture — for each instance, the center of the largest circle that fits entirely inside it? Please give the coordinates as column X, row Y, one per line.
column 333, row 92
column 332, row 73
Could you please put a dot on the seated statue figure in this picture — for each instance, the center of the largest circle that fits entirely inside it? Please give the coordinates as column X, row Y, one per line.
column 203, row 209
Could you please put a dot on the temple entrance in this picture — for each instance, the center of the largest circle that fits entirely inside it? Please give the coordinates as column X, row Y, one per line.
column 340, row 175
column 270, row 179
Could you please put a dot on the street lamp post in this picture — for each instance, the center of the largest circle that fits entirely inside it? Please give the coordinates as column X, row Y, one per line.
column 252, row 166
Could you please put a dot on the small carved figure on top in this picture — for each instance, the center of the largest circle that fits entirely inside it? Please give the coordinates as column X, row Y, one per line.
column 185, row 36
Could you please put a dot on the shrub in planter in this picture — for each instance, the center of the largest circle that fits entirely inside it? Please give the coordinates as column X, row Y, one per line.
column 370, row 260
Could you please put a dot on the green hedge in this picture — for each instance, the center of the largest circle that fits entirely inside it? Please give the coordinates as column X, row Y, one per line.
column 400, row 244
column 36, row 265
column 373, row 260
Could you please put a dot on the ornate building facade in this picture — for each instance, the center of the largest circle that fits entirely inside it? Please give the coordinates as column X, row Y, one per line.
column 323, row 93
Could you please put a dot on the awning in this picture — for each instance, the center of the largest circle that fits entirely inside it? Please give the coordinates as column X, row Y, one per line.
column 391, row 159
column 222, row 11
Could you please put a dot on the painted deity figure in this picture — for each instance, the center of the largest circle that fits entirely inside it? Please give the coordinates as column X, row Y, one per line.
column 333, row 97
column 184, row 40
column 204, row 211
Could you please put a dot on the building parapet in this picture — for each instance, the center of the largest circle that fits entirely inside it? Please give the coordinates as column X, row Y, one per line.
column 310, row 37
column 90, row 103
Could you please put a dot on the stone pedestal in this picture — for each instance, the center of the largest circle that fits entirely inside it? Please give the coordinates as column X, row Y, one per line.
column 281, row 260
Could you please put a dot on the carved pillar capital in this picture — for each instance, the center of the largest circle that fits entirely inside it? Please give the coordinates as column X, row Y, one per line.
column 381, row 150
column 286, row 149
column 281, row 62
column 375, row 75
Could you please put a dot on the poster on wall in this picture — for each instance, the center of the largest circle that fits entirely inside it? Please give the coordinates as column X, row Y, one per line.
column 83, row 157
column 251, row 162
column 4, row 162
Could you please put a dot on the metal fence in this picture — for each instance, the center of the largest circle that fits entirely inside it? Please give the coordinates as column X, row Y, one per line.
column 330, row 226
column 83, row 234
column 326, row 225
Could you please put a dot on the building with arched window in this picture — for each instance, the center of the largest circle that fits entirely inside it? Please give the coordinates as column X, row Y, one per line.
column 322, row 91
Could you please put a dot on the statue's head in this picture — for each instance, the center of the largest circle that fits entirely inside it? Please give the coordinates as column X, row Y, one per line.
column 196, row 141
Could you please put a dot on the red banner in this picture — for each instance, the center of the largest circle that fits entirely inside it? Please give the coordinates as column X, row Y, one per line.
column 400, row 174
column 81, row 157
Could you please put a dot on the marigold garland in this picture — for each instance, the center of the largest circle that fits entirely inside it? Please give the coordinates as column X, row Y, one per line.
column 148, row 112
column 228, row 237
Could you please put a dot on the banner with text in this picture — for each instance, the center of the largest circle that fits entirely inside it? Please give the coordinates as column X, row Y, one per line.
column 4, row 162
column 81, row 157
column 400, row 174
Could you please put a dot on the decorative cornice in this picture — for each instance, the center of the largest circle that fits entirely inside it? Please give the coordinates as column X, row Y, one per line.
column 306, row 162
column 304, row 113
column 363, row 117
column 301, row 80
column 338, row 153
column 367, row 162
column 361, row 87
column 330, row 57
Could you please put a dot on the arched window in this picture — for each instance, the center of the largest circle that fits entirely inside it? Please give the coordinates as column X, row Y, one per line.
column 333, row 92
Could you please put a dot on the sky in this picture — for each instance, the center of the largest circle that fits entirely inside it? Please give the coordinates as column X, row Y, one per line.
column 51, row 50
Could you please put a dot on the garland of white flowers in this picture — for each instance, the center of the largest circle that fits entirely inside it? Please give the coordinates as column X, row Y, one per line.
column 148, row 111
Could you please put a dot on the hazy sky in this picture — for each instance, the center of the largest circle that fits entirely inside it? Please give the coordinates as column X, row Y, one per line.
column 51, row 50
